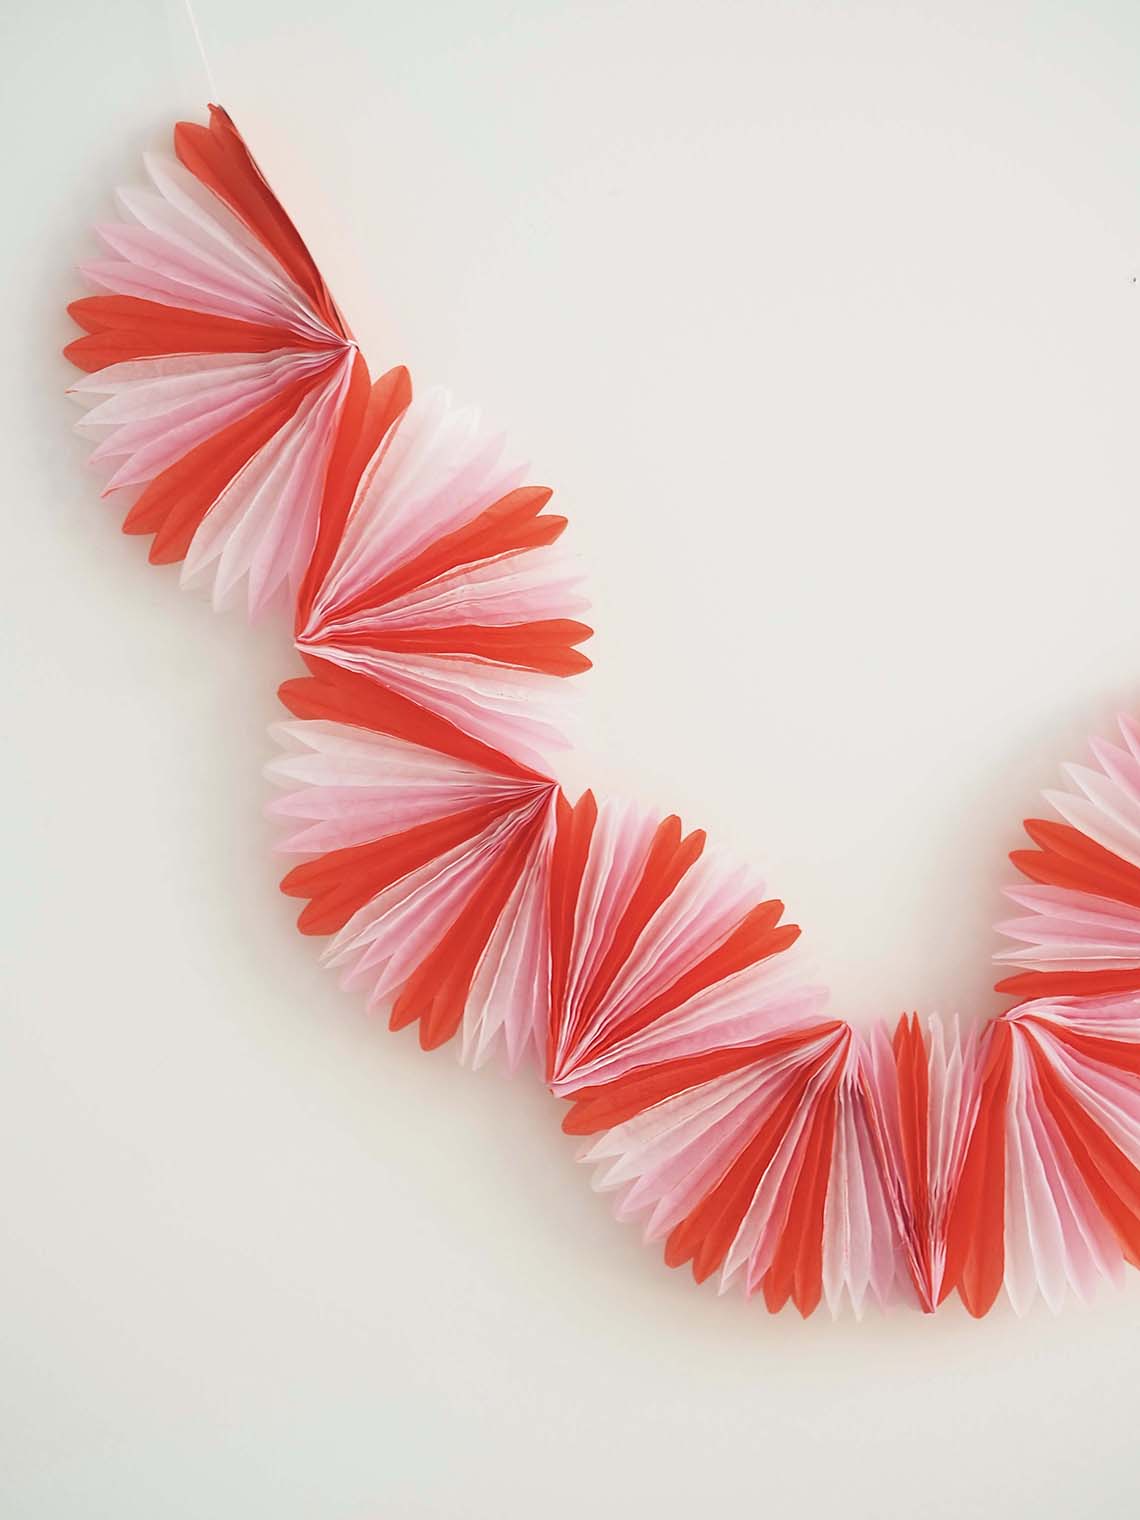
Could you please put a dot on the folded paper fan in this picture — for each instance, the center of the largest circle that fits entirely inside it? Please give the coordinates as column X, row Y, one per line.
column 652, row 986
column 1072, row 1147
column 730, row 1158
column 448, row 583
column 921, row 1091
column 658, row 952
column 428, row 863
column 1081, row 935
column 219, row 369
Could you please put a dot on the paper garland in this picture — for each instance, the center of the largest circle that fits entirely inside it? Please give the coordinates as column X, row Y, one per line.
column 648, row 981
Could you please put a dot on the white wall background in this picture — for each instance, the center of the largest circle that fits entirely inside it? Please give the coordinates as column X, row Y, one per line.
column 823, row 320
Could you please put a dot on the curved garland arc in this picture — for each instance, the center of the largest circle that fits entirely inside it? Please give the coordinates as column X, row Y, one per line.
column 649, row 982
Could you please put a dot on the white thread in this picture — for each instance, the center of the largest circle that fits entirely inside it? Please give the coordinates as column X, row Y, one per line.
column 192, row 18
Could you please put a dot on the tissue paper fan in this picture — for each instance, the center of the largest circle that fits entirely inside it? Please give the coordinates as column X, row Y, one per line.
column 220, row 368
column 446, row 582
column 429, row 859
column 1082, row 935
column 1072, row 1144
column 650, row 983
column 659, row 954
column 919, row 1094
column 730, row 1156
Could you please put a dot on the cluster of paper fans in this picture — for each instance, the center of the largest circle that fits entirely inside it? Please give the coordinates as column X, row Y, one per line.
column 650, row 983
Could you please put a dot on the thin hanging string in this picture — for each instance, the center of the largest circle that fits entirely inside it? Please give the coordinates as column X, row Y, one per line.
column 194, row 27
